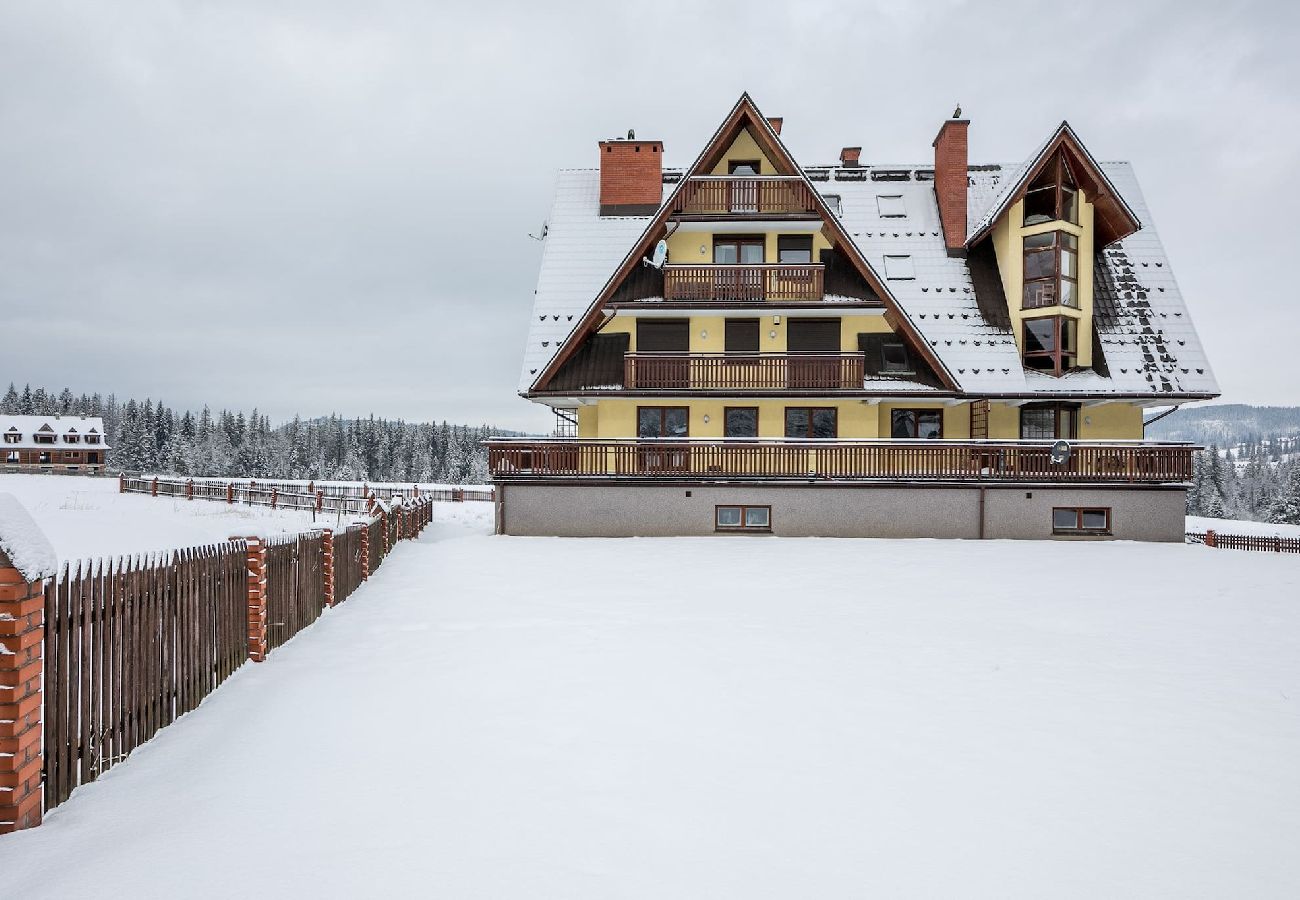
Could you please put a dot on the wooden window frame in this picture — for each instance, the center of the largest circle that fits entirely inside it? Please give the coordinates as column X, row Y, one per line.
column 1057, row 354
column 72, row 439
column 13, row 438
column 800, row 237
column 1060, row 168
column 727, row 410
column 916, row 411
column 44, row 438
column 91, row 439
column 755, row 164
column 1078, row 520
column 1057, row 408
column 1056, row 279
column 758, row 240
column 744, row 514
column 663, row 422
column 833, row 410
column 909, row 368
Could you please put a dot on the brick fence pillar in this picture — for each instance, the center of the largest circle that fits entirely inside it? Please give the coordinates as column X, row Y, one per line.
column 327, row 564
column 121, row 482
column 23, row 576
column 153, row 491
column 1211, row 539
column 256, row 598
column 365, row 552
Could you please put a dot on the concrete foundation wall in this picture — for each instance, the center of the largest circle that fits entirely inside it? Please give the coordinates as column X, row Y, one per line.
column 803, row 510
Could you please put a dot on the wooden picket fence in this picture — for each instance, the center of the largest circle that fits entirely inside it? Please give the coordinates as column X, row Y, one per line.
column 1261, row 542
column 325, row 497
column 133, row 644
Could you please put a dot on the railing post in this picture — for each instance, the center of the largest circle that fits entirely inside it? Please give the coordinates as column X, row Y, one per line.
column 1210, row 539
column 327, row 564
column 23, row 578
column 256, row 565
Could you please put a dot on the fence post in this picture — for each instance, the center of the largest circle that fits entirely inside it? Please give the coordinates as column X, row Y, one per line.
column 256, row 564
column 320, row 500
column 189, row 489
column 1210, row 539
column 23, row 577
column 230, row 492
column 1277, row 543
column 121, row 482
column 154, row 491
column 365, row 552
column 416, row 488
column 273, row 496
column 327, row 564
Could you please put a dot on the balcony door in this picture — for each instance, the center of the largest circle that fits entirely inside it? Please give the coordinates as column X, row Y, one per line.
column 822, row 338
column 670, row 337
column 732, row 252
column 743, row 187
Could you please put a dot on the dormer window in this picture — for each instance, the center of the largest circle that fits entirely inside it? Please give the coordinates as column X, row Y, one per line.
column 13, row 437
column 1051, row 270
column 71, row 438
column 43, row 438
column 92, row 439
column 894, row 359
column 1053, row 197
column 1051, row 344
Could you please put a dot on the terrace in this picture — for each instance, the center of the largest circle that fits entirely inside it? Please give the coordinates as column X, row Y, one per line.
column 747, row 196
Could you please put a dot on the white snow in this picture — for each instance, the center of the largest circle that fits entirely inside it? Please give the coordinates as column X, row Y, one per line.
column 86, row 517
column 22, row 542
column 1241, row 526
column 731, row 717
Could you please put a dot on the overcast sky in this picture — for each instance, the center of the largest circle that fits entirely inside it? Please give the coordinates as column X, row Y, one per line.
column 324, row 206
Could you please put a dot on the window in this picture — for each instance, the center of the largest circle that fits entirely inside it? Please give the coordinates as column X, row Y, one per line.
column 92, row 457
column 890, row 206
column 899, row 268
column 794, row 248
column 811, row 422
column 13, row 437
column 809, row 335
column 662, row 421
column 742, row 518
column 71, row 438
column 743, row 167
column 43, row 438
column 740, row 422
column 1051, row 344
column 916, row 423
column 741, row 336
column 1053, row 196
column 1081, row 520
column 743, row 250
column 71, row 455
column 92, row 439
column 44, row 457
column 894, row 359
column 1051, row 270
column 832, row 202
column 12, row 457
column 1049, row 421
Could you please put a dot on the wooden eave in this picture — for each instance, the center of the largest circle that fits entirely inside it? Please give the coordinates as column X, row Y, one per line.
column 744, row 113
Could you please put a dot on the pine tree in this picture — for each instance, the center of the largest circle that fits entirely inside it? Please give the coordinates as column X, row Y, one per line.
column 1286, row 509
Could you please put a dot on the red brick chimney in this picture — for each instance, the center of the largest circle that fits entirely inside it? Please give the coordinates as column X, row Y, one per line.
column 849, row 156
column 775, row 122
column 631, row 177
column 950, row 180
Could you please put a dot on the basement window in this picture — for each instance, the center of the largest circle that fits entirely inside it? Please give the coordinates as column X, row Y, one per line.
column 1081, row 520
column 899, row 268
column 890, row 206
column 742, row 518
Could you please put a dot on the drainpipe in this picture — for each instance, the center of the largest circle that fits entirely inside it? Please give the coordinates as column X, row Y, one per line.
column 983, row 491
column 1154, row 419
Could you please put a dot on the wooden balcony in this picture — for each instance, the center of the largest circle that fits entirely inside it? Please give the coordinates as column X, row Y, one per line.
column 768, row 281
column 842, row 460
column 743, row 371
column 745, row 196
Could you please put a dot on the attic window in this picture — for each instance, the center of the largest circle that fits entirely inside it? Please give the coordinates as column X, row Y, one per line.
column 894, row 359
column 13, row 437
column 1051, row 270
column 899, row 268
column 1051, row 344
column 891, row 206
column 1053, row 196
column 833, row 203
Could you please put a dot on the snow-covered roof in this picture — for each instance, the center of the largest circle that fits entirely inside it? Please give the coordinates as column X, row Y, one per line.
column 56, row 426
column 1148, row 343
column 23, row 543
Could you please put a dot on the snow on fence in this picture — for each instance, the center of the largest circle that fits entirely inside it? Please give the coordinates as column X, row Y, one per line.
column 1268, row 543
column 130, row 645
column 323, row 497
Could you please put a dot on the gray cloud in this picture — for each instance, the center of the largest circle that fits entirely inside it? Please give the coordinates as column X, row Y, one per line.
column 324, row 207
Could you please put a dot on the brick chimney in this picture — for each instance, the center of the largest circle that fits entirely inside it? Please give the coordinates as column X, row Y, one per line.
column 950, row 180
column 775, row 122
column 631, row 177
column 849, row 156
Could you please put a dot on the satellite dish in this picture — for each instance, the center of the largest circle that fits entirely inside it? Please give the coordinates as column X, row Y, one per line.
column 1060, row 453
column 660, row 255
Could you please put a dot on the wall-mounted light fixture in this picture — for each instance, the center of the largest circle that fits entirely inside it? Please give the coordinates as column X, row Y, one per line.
column 706, row 420
column 703, row 249
column 704, row 335
column 772, row 335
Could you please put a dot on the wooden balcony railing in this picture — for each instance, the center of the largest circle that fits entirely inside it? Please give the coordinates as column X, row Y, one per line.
column 775, row 281
column 743, row 371
column 842, row 460
column 749, row 196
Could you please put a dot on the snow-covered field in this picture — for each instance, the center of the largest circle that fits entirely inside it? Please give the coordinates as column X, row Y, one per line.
column 1241, row 526
column 87, row 517
column 739, row 717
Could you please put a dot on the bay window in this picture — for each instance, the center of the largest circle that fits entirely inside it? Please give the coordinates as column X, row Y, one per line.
column 1051, row 270
column 1051, row 344
column 1053, row 196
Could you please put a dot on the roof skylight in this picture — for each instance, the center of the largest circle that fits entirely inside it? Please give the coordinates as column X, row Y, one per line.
column 890, row 206
column 899, row 268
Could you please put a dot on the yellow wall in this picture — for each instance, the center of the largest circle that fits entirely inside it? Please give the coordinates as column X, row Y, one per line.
column 1008, row 243
column 745, row 148
column 694, row 248
column 1110, row 421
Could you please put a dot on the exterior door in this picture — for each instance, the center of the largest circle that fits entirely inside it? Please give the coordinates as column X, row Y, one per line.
column 814, row 345
column 743, row 186
column 733, row 280
column 662, row 347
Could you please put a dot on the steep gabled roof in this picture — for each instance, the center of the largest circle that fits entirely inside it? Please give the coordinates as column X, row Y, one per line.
column 1115, row 219
column 744, row 115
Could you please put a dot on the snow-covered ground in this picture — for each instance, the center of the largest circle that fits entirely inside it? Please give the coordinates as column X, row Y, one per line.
column 1241, row 526
column 87, row 517
column 742, row 717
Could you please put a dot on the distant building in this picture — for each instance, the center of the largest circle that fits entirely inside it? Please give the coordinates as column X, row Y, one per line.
column 938, row 349
column 63, row 444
